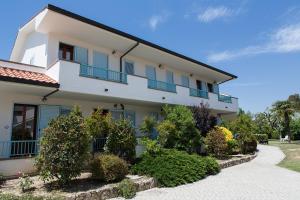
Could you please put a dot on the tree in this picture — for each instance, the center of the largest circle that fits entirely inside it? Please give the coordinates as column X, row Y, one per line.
column 285, row 110
column 64, row 148
column 148, row 125
column 204, row 120
column 178, row 129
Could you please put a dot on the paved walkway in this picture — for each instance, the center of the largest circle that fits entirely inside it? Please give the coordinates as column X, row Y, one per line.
column 259, row 179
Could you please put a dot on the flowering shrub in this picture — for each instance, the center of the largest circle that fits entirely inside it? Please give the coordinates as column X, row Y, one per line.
column 25, row 182
column 226, row 132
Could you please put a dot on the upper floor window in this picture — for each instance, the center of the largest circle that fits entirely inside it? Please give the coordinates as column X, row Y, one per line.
column 199, row 84
column 210, row 87
column 185, row 81
column 150, row 72
column 66, row 52
column 129, row 67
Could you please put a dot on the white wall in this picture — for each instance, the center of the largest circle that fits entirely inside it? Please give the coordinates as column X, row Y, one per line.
column 136, row 89
column 34, row 50
column 8, row 100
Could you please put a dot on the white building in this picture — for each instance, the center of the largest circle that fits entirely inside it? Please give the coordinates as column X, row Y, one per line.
column 61, row 59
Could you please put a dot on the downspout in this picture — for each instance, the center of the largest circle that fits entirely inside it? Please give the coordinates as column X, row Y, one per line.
column 49, row 94
column 129, row 50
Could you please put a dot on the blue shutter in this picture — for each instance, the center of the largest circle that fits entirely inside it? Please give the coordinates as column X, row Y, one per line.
column 185, row 81
column 46, row 114
column 204, row 86
column 129, row 67
column 100, row 65
column 81, row 55
column 150, row 73
column 169, row 77
column 100, row 60
column 130, row 115
column 216, row 88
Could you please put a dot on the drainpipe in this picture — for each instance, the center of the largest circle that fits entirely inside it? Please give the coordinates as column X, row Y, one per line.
column 49, row 94
column 121, row 63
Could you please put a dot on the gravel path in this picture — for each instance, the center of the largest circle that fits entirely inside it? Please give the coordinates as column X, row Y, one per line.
column 259, row 179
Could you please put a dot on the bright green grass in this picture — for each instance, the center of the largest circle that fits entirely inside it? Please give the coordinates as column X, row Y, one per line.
column 292, row 152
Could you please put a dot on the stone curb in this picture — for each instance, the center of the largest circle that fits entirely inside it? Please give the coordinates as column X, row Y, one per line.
column 111, row 191
column 236, row 161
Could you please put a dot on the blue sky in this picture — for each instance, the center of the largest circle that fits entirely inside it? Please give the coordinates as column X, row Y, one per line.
column 259, row 41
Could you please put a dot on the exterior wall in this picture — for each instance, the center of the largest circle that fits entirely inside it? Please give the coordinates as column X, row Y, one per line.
column 136, row 89
column 34, row 49
column 9, row 99
column 13, row 167
column 114, row 60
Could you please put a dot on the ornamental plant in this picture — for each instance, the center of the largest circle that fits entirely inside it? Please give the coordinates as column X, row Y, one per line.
column 226, row 132
column 64, row 148
column 178, row 129
column 121, row 140
column 215, row 142
column 25, row 182
column 127, row 189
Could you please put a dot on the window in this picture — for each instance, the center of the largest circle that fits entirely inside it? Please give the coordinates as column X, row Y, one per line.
column 81, row 55
column 24, row 122
column 66, row 52
column 185, row 81
column 129, row 67
column 210, row 87
column 199, row 84
column 100, row 60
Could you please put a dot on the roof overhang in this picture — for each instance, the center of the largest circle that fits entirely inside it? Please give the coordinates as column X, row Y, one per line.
column 59, row 21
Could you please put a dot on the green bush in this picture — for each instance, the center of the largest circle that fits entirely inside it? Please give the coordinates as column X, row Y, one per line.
column 148, row 125
column 233, row 147
column 215, row 142
column 97, row 124
column 121, row 140
column 109, row 168
column 261, row 138
column 178, row 129
column 127, row 189
column 172, row 168
column 247, row 142
column 64, row 148
column 152, row 146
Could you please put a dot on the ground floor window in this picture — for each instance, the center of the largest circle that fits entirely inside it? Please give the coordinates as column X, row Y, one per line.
column 24, row 122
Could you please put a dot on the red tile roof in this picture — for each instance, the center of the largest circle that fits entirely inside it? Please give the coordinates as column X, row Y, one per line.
column 29, row 77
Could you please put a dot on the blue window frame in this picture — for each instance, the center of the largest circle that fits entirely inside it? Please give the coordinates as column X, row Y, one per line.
column 185, row 81
column 129, row 67
column 169, row 77
column 150, row 72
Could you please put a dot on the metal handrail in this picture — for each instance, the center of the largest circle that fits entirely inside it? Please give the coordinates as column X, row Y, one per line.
column 102, row 73
column 160, row 85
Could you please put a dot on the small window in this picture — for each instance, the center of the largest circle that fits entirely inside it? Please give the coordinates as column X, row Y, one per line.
column 199, row 84
column 210, row 87
column 185, row 81
column 129, row 67
column 66, row 52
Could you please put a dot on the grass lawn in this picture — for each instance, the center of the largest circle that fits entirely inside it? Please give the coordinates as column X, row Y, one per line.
column 292, row 152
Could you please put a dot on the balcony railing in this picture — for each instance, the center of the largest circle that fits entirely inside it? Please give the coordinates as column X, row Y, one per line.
column 98, row 144
column 198, row 93
column 225, row 98
column 102, row 73
column 18, row 148
column 160, row 85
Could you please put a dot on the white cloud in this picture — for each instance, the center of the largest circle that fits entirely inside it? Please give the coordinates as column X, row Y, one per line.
column 155, row 20
column 214, row 13
column 284, row 40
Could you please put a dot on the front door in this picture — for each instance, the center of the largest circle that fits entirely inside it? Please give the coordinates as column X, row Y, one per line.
column 23, row 129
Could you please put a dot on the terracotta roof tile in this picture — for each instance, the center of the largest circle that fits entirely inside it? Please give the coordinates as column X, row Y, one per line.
column 31, row 76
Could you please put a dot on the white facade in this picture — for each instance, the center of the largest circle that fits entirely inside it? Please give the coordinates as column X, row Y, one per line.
column 37, row 49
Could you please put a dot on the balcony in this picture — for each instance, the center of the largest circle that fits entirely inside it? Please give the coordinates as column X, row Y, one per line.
column 198, row 93
column 78, row 79
column 160, row 85
column 225, row 98
column 103, row 74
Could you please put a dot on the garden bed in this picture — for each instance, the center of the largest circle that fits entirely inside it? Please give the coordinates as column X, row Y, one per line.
column 82, row 188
